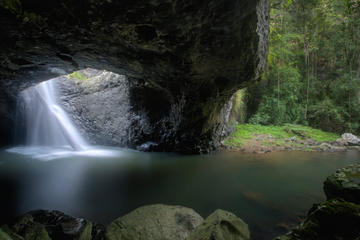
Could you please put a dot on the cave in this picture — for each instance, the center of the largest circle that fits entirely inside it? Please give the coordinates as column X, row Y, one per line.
column 182, row 60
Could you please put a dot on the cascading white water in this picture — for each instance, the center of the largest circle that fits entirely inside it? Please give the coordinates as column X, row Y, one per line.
column 46, row 123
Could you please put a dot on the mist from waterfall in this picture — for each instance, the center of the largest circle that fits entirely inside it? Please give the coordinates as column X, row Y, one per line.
column 44, row 122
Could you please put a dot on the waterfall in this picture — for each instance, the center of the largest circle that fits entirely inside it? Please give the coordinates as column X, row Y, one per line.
column 45, row 122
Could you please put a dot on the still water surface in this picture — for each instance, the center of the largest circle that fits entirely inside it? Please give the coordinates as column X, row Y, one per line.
column 266, row 191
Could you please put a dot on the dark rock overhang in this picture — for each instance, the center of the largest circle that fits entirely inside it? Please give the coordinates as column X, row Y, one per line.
column 184, row 59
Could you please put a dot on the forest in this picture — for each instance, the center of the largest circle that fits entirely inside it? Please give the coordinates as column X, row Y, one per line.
column 313, row 70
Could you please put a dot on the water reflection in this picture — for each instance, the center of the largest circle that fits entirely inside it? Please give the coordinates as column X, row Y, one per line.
column 52, row 153
column 267, row 191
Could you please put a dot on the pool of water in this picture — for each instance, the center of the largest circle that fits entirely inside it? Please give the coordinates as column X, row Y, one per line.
column 267, row 191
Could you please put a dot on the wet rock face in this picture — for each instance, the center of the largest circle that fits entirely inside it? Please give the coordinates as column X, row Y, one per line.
column 184, row 59
column 99, row 103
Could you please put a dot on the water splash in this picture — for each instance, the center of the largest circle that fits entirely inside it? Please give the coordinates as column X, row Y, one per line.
column 45, row 122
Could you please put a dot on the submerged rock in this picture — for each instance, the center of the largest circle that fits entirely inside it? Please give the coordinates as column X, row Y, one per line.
column 221, row 225
column 344, row 183
column 155, row 222
column 331, row 220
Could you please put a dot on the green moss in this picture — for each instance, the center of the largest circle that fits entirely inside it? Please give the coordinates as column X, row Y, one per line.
column 309, row 132
column 86, row 232
column 78, row 75
column 238, row 112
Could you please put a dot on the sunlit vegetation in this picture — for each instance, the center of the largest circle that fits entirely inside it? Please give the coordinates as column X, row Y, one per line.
column 78, row 75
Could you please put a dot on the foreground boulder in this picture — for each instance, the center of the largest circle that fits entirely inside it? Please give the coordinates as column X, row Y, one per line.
column 155, row 222
column 221, row 225
column 152, row 222
column 25, row 228
column 344, row 183
column 4, row 235
column 49, row 225
column 61, row 226
column 331, row 220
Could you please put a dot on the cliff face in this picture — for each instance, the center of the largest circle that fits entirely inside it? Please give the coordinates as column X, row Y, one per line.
column 183, row 60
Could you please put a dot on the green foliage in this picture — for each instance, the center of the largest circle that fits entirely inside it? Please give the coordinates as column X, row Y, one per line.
column 313, row 72
column 78, row 75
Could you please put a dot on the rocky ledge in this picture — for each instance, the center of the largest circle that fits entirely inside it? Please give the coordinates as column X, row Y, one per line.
column 151, row 222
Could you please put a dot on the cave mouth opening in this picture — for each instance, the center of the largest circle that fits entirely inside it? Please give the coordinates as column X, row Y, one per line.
column 44, row 129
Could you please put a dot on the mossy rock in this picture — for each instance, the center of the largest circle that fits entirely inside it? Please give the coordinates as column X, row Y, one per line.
column 221, row 225
column 155, row 222
column 10, row 233
column 28, row 229
column 344, row 183
column 334, row 219
column 62, row 226
column 4, row 235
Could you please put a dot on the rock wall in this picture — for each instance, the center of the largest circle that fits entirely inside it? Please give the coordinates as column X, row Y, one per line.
column 184, row 59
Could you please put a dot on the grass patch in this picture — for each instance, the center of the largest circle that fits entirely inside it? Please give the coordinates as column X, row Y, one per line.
column 244, row 132
column 78, row 75
column 309, row 132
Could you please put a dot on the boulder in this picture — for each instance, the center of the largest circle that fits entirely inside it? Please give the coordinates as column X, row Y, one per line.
column 341, row 142
column 331, row 220
column 25, row 228
column 155, row 222
column 351, row 139
column 61, row 226
column 4, row 235
column 344, row 183
column 6, row 229
column 221, row 225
